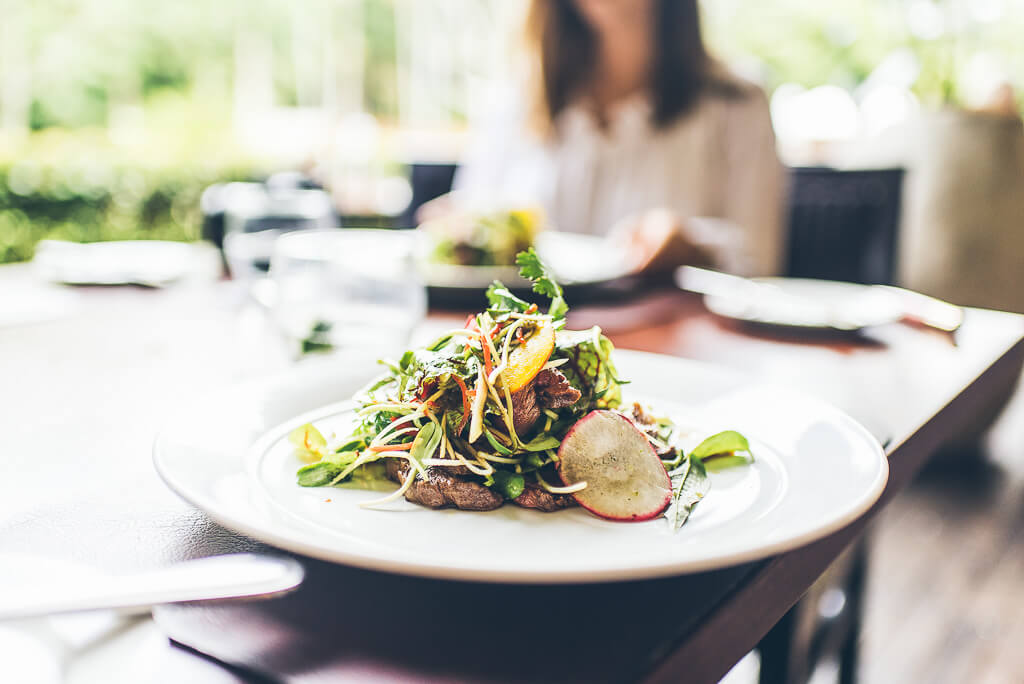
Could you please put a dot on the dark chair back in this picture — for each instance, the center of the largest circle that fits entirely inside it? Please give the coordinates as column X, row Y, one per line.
column 428, row 181
column 843, row 224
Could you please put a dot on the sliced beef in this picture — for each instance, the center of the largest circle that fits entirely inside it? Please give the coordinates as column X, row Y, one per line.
column 444, row 486
column 641, row 417
column 649, row 427
column 554, row 390
column 535, row 496
column 550, row 389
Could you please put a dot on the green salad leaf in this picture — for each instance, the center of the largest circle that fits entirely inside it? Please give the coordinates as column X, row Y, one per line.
column 318, row 474
column 509, row 485
column 544, row 283
column 720, row 463
column 309, row 444
column 425, row 444
column 500, row 298
column 542, row 442
column 447, row 404
column 589, row 368
column 324, row 473
column 728, row 442
column 690, row 481
column 498, row 446
column 690, row 484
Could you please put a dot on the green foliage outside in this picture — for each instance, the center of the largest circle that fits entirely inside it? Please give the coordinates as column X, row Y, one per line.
column 841, row 42
column 77, row 184
column 96, row 198
column 67, row 175
column 175, row 65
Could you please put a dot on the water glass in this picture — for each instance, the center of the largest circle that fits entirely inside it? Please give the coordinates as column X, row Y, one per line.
column 346, row 289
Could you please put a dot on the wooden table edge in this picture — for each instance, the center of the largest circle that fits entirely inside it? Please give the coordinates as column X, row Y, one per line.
column 745, row 617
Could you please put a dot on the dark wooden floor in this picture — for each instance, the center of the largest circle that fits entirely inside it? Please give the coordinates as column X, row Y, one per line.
column 946, row 594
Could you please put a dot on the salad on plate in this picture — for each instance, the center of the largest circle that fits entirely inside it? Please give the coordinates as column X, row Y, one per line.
column 515, row 408
column 482, row 239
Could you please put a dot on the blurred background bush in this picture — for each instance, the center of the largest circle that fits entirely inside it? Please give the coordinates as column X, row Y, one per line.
column 115, row 114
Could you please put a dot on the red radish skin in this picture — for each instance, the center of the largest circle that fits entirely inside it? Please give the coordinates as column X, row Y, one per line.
column 626, row 481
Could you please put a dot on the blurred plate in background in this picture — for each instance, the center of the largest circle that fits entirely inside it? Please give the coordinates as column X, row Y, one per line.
column 807, row 303
column 575, row 259
column 151, row 263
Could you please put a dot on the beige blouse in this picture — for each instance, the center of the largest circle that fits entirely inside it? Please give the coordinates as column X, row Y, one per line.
column 716, row 168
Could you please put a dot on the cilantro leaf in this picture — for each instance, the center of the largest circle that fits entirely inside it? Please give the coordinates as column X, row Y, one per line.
column 544, row 283
column 558, row 308
column 501, row 299
column 533, row 269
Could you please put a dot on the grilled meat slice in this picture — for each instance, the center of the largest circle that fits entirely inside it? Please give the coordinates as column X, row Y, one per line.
column 444, row 486
column 550, row 389
column 554, row 390
column 534, row 496
column 641, row 417
column 649, row 427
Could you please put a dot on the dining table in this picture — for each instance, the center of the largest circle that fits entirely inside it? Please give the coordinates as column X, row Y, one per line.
column 88, row 376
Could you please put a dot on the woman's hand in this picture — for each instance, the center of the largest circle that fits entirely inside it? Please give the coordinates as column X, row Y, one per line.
column 437, row 208
column 655, row 241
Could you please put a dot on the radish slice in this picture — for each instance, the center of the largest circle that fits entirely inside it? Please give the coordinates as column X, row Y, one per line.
column 625, row 478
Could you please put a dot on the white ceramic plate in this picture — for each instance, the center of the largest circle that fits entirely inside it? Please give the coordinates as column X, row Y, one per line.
column 575, row 259
column 815, row 471
column 154, row 263
column 808, row 303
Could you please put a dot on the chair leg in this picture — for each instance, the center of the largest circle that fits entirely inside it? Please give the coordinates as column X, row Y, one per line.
column 795, row 645
column 849, row 652
column 776, row 649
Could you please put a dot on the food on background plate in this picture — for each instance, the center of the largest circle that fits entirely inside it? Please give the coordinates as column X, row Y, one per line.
column 482, row 239
column 514, row 407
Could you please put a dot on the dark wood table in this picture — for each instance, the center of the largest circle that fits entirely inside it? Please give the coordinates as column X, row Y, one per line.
column 82, row 395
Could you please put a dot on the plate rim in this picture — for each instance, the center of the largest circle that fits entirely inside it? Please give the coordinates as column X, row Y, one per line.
column 287, row 542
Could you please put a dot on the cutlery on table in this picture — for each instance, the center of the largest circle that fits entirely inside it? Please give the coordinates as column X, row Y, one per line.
column 218, row 578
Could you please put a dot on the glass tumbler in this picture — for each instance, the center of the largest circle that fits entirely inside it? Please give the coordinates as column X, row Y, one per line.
column 346, row 289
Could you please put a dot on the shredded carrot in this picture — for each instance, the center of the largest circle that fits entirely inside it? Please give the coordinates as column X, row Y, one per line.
column 425, row 390
column 519, row 336
column 465, row 403
column 470, row 323
column 532, row 309
column 487, row 355
column 392, row 447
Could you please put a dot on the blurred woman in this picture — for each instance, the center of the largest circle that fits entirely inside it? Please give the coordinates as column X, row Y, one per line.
column 629, row 128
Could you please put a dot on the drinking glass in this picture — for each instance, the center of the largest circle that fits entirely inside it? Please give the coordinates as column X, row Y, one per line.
column 346, row 289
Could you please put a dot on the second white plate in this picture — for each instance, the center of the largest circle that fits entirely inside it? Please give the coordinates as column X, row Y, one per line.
column 575, row 259
column 809, row 303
